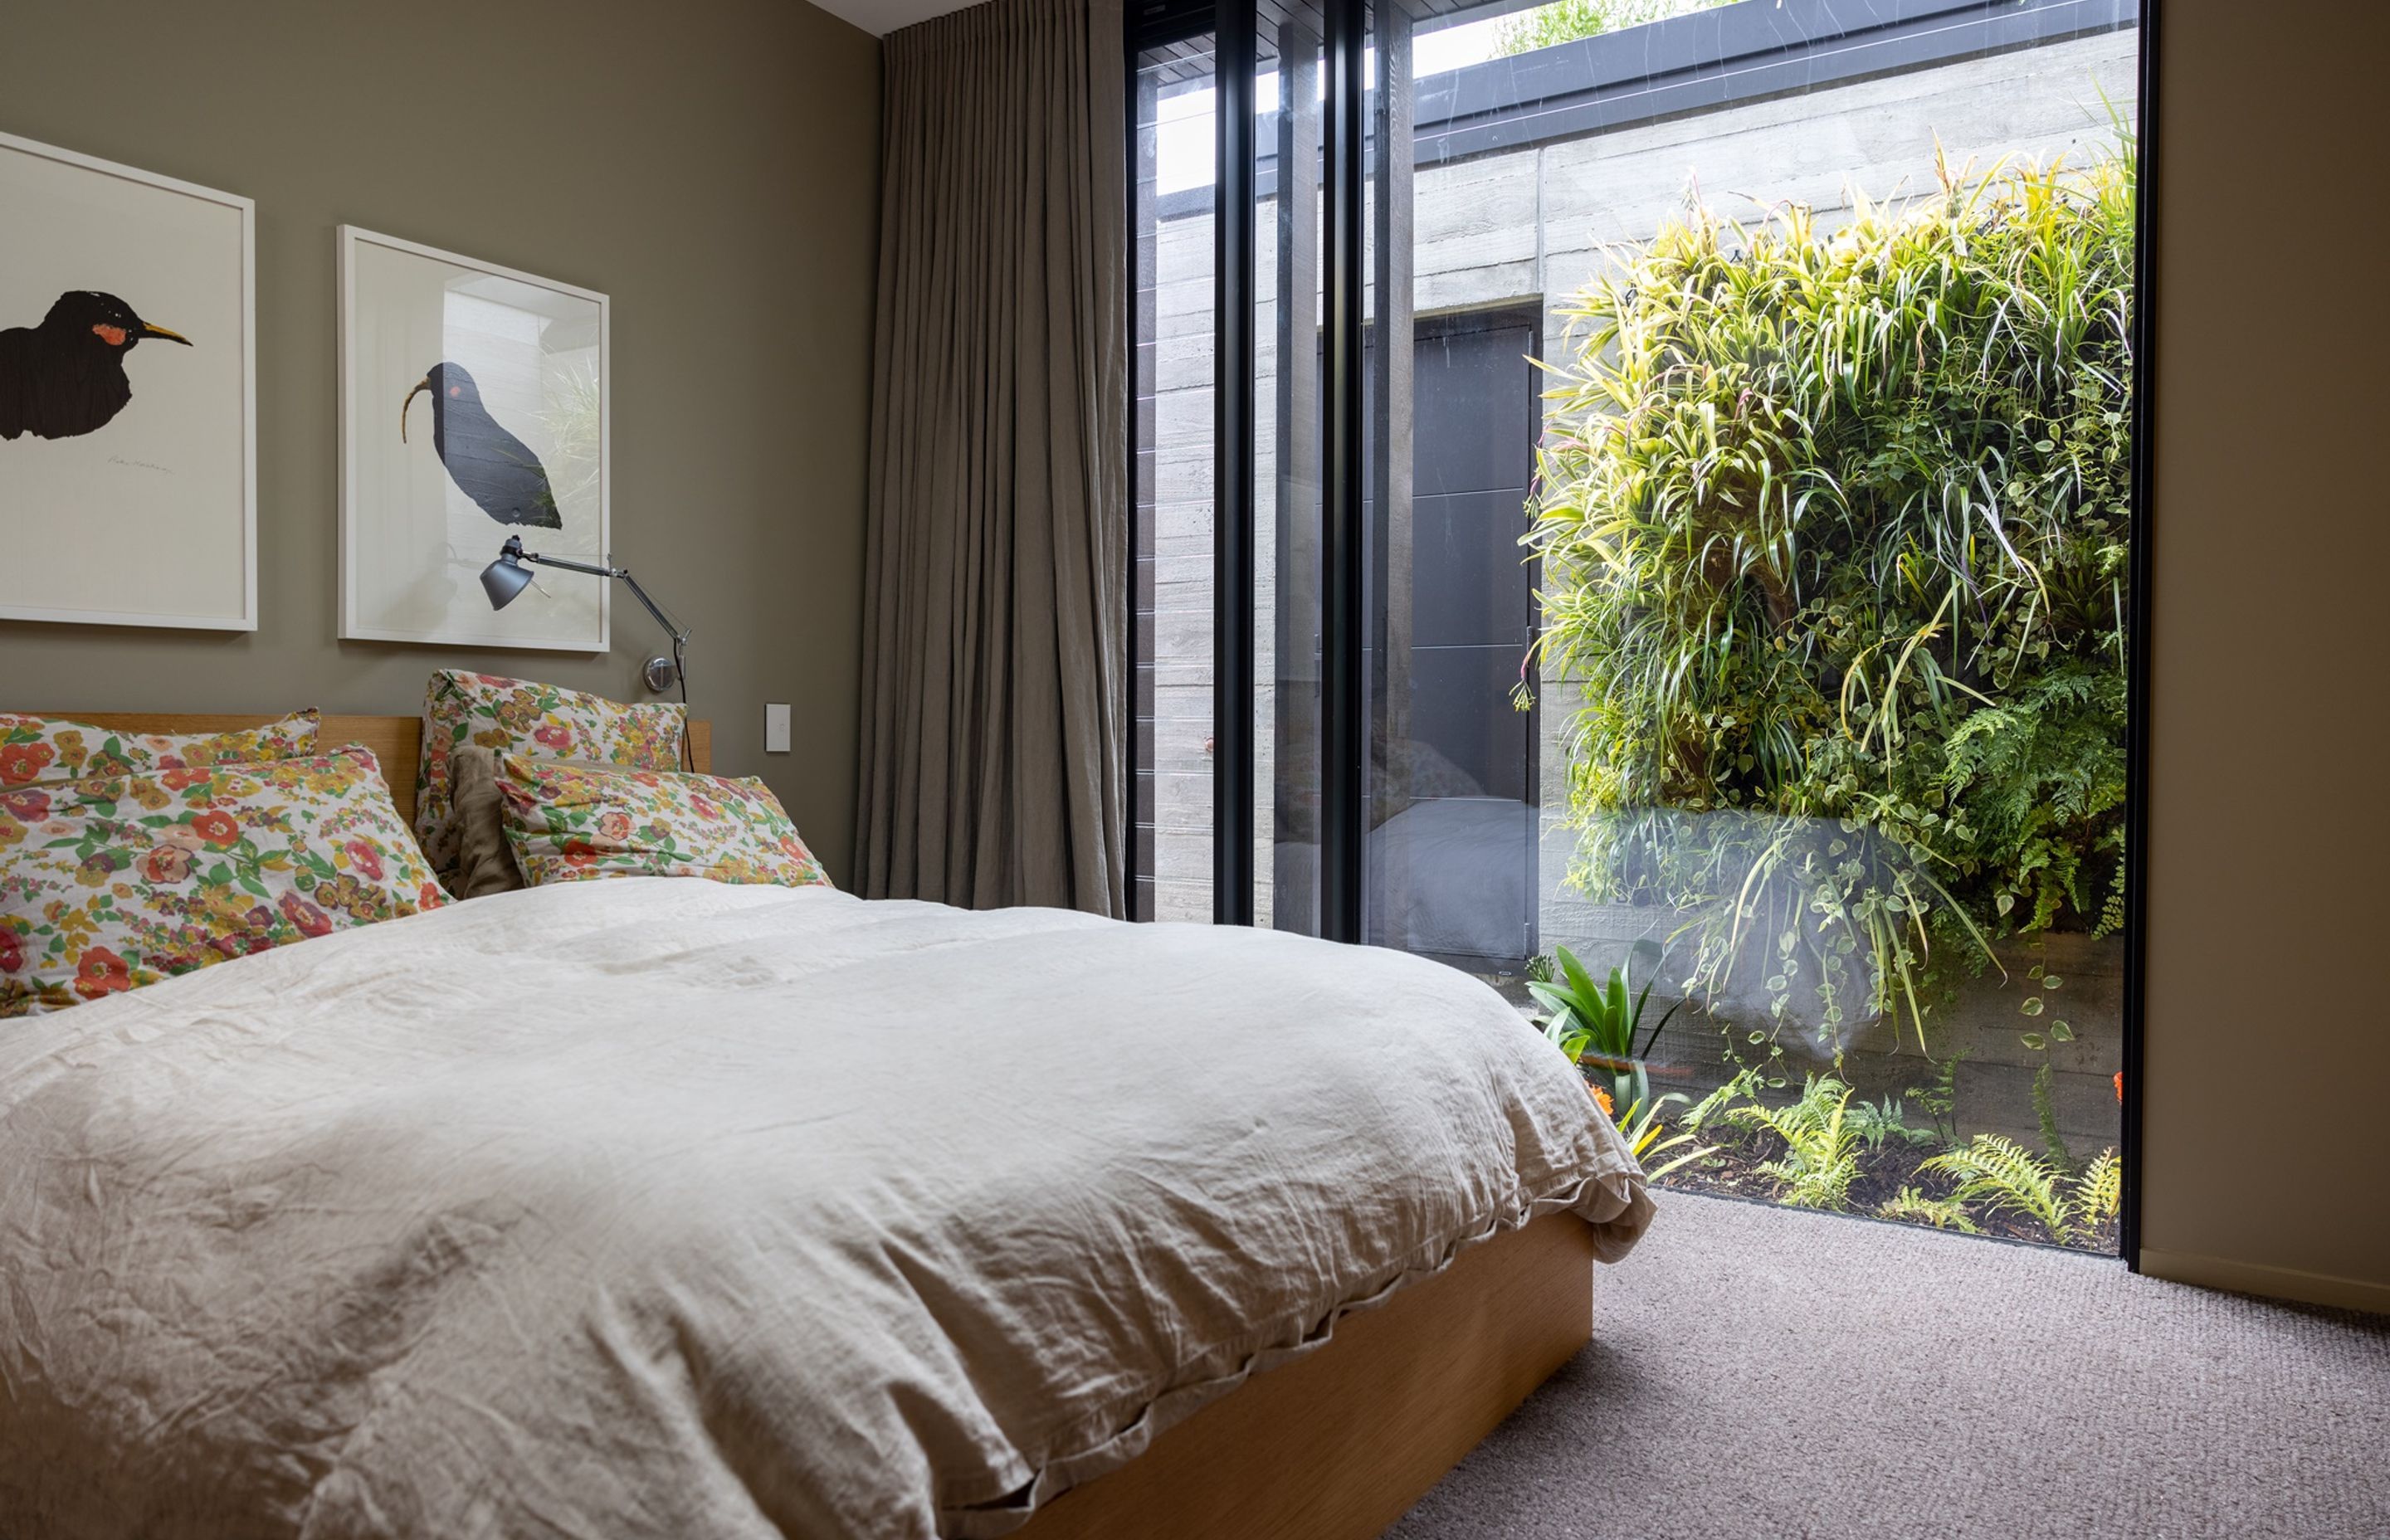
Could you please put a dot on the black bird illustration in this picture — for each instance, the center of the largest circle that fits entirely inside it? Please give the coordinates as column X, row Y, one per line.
column 66, row 378
column 488, row 464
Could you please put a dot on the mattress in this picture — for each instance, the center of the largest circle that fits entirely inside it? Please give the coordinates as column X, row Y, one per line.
column 665, row 1208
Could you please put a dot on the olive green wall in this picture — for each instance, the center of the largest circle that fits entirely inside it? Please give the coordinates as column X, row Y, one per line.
column 2270, row 849
column 712, row 166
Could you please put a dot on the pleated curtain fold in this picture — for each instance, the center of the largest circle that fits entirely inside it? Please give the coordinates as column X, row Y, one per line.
column 995, row 660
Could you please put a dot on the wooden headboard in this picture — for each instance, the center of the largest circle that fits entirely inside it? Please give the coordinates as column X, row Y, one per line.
column 398, row 741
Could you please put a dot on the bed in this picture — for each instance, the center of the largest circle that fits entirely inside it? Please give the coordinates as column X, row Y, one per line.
column 668, row 1207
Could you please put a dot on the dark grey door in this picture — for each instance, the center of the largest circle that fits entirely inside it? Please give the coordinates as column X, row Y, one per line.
column 1453, row 795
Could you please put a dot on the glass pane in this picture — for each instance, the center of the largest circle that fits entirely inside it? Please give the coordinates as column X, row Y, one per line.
column 1449, row 443
column 1287, row 436
column 1805, row 703
column 1173, row 626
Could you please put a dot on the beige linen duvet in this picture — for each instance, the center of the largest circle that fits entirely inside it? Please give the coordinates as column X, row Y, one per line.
column 666, row 1209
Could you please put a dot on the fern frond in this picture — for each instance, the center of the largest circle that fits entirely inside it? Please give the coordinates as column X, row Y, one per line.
column 2045, row 1111
column 1942, row 1213
column 2099, row 1191
column 1808, row 1182
column 1741, row 1087
column 1820, row 1159
column 2005, row 1175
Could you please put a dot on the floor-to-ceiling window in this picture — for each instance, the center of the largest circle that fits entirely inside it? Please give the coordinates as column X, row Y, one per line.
column 1171, row 99
column 1683, row 528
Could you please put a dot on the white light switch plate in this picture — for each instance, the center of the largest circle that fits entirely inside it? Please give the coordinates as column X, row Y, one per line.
column 776, row 729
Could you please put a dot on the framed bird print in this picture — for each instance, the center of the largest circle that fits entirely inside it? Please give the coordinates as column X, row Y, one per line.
column 128, row 398
column 473, row 406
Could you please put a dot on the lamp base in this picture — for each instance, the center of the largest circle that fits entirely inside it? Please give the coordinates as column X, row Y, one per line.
column 661, row 673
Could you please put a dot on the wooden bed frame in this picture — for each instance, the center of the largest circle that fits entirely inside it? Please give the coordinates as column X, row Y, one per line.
column 1340, row 1444
column 398, row 741
column 1336, row 1445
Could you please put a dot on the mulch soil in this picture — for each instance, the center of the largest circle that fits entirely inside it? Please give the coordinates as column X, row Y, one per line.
column 1732, row 1170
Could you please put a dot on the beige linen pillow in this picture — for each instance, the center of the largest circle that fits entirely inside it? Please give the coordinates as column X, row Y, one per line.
column 484, row 864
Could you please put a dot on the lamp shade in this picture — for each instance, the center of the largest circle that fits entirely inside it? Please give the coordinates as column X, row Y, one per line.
column 503, row 578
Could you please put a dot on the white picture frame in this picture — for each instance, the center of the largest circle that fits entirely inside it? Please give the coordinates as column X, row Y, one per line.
column 417, row 525
column 133, row 504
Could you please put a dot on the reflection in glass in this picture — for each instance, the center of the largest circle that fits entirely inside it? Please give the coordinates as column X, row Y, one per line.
column 1172, row 798
column 1744, row 415
column 1827, row 537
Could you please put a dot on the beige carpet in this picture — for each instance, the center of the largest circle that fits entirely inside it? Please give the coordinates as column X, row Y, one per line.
column 1764, row 1373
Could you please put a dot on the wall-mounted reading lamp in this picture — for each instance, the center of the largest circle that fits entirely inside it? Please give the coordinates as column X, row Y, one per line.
column 505, row 577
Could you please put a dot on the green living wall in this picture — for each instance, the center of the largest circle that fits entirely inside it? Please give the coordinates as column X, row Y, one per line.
column 1833, row 527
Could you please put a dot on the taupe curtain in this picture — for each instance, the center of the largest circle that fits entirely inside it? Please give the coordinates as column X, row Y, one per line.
column 996, row 613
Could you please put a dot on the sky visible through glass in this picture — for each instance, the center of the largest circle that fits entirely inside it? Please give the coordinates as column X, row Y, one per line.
column 1185, row 133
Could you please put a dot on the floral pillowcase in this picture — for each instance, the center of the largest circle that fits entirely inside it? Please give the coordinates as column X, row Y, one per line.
column 46, row 750
column 518, row 717
column 567, row 823
column 115, row 881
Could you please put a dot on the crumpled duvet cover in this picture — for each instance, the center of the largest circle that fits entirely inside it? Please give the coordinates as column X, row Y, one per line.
column 654, row 1208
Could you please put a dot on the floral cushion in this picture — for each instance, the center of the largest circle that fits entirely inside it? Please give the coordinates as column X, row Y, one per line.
column 46, row 750
column 114, row 881
column 567, row 823
column 517, row 716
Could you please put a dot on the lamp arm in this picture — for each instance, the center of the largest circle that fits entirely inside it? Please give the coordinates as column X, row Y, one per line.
column 678, row 633
column 567, row 563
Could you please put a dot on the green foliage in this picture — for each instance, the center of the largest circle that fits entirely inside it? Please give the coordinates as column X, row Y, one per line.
column 1566, row 20
column 1822, row 1144
column 1878, row 1123
column 1834, row 530
column 2003, row 1174
column 575, row 419
column 1999, row 1172
column 1743, row 1087
column 1643, row 1130
column 1941, row 1099
column 1599, row 1025
column 1942, row 1213
column 2100, row 1192
column 2045, row 1111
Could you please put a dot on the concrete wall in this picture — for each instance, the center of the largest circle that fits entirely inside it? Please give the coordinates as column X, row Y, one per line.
column 711, row 166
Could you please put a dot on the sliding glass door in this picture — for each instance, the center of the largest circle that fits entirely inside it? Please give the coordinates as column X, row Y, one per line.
column 1646, row 487
column 1172, row 182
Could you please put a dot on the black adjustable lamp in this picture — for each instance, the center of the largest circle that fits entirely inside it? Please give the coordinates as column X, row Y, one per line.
column 505, row 577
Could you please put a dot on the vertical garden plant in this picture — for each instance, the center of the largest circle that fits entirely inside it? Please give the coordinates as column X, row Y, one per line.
column 1833, row 527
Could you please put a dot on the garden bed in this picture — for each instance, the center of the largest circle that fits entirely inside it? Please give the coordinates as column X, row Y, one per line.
column 1844, row 1135
column 1731, row 1170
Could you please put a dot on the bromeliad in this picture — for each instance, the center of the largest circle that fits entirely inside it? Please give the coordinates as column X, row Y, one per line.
column 1599, row 1025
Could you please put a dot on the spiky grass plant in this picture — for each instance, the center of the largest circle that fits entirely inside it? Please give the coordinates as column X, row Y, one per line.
column 1834, row 529
column 1648, row 1138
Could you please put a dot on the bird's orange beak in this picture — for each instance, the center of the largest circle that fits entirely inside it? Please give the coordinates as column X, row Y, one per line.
column 148, row 330
column 420, row 386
